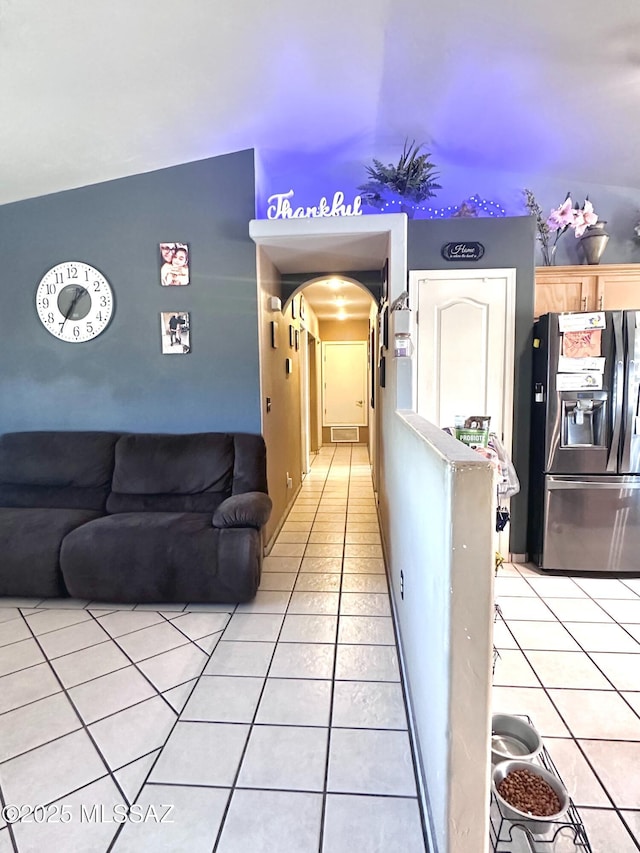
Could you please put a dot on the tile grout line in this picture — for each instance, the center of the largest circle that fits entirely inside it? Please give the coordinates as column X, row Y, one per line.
column 252, row 724
column 325, row 784
column 8, row 826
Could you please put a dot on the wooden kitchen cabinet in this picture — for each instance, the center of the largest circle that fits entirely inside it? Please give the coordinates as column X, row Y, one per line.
column 564, row 289
column 618, row 286
column 605, row 287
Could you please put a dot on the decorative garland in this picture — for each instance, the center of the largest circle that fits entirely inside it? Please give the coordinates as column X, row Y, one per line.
column 491, row 208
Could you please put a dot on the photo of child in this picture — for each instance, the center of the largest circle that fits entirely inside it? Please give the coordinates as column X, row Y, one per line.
column 174, row 268
column 174, row 328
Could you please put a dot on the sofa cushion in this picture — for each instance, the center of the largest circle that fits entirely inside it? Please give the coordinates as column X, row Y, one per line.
column 171, row 473
column 249, row 464
column 56, row 469
column 30, row 541
column 161, row 556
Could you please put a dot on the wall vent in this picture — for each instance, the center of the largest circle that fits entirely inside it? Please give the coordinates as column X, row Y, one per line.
column 351, row 434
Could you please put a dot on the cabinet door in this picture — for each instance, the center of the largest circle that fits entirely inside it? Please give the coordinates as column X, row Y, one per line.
column 619, row 289
column 564, row 289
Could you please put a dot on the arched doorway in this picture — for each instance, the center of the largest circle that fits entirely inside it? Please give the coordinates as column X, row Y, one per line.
column 337, row 315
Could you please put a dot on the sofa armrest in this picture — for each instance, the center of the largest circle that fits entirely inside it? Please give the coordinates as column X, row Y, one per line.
column 250, row 509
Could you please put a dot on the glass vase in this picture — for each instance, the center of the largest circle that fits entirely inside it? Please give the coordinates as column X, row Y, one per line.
column 549, row 255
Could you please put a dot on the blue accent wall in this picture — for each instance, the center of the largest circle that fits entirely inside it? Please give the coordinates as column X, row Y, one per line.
column 121, row 380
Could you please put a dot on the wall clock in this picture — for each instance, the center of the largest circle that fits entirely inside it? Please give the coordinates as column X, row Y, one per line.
column 74, row 302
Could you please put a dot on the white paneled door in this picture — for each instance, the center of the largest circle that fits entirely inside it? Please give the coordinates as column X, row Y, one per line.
column 344, row 383
column 465, row 351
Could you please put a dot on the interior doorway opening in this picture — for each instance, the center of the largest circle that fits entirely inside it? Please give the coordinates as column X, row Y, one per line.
column 338, row 327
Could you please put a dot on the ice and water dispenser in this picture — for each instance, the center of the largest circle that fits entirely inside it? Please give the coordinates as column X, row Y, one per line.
column 583, row 420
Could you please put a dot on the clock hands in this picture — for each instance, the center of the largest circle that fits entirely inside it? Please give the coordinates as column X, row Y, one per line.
column 78, row 295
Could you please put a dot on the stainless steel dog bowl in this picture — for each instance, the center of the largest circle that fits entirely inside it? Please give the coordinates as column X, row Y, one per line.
column 513, row 738
column 537, row 825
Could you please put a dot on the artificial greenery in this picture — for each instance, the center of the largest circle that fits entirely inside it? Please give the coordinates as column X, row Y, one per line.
column 543, row 232
column 413, row 178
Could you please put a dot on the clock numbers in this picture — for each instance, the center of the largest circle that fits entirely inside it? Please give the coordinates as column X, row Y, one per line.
column 71, row 311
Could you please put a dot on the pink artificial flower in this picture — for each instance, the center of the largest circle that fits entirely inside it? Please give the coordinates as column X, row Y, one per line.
column 584, row 217
column 563, row 216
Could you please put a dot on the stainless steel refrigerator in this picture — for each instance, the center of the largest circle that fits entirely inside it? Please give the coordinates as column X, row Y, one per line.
column 585, row 445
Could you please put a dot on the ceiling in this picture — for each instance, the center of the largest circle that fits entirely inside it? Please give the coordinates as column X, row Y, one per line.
column 338, row 299
column 328, row 253
column 103, row 89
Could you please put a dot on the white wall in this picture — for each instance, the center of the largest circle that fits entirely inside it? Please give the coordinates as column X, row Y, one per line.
column 438, row 498
column 436, row 504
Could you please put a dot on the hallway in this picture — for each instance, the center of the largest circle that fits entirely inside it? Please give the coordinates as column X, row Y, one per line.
column 275, row 726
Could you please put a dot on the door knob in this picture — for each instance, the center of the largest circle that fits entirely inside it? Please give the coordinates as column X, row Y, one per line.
column 359, row 402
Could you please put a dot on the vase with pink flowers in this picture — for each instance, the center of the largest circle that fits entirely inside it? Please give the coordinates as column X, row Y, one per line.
column 582, row 220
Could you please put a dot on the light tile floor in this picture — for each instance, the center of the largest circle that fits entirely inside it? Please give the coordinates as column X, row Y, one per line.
column 280, row 725
column 569, row 658
column 275, row 726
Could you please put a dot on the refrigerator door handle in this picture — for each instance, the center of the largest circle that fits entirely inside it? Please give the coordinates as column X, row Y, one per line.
column 630, row 394
column 573, row 485
column 629, row 417
column 618, row 387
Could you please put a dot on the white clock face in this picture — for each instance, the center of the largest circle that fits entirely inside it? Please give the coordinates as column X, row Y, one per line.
column 74, row 302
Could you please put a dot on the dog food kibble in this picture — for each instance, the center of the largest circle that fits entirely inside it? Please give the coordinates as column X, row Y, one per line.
column 529, row 793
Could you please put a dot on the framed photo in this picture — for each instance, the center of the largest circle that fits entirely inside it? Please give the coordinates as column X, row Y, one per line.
column 175, row 331
column 384, row 282
column 274, row 334
column 292, row 335
column 297, row 339
column 174, row 264
column 383, row 371
column 301, row 307
column 288, row 365
column 293, row 308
